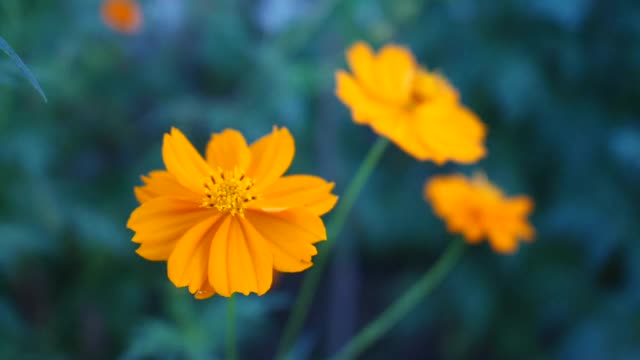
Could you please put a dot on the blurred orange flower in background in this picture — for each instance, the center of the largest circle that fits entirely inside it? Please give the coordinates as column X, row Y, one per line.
column 416, row 109
column 477, row 209
column 224, row 223
column 124, row 16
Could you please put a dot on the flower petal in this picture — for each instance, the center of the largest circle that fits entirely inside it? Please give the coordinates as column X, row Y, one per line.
column 271, row 156
column 156, row 251
column 240, row 268
column 183, row 161
column 205, row 292
column 364, row 107
column 361, row 60
column 429, row 86
column 395, row 69
column 219, row 259
column 404, row 135
column 447, row 194
column 520, row 205
column 310, row 192
column 503, row 243
column 228, row 150
column 162, row 183
column 291, row 234
column 451, row 131
column 160, row 222
column 198, row 269
column 258, row 272
column 191, row 251
column 241, row 260
column 518, row 209
column 323, row 206
column 386, row 120
column 164, row 218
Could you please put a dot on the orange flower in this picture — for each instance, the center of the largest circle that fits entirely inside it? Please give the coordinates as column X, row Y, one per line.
column 477, row 209
column 225, row 223
column 418, row 110
column 123, row 16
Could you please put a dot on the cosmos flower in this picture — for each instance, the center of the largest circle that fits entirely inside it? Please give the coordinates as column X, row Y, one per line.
column 477, row 209
column 416, row 109
column 123, row 16
column 224, row 223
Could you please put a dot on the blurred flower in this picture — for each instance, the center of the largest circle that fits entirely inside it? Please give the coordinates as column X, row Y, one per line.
column 123, row 16
column 477, row 209
column 418, row 110
column 225, row 223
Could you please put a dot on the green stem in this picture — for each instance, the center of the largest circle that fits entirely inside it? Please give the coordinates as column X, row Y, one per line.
column 401, row 307
column 311, row 281
column 231, row 329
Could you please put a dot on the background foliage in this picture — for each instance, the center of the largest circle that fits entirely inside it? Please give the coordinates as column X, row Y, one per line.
column 556, row 82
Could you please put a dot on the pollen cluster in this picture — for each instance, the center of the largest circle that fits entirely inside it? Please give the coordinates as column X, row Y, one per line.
column 228, row 191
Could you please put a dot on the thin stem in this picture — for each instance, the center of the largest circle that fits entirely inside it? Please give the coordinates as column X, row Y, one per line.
column 231, row 329
column 401, row 307
column 311, row 281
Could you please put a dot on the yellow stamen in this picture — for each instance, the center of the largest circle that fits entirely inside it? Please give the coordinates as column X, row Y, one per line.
column 228, row 191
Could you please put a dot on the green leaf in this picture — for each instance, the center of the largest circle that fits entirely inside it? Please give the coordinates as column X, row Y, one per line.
column 4, row 46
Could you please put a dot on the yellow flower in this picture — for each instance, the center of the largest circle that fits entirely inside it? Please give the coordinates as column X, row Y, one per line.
column 477, row 209
column 225, row 223
column 418, row 110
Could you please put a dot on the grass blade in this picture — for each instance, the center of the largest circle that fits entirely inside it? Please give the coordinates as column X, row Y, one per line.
column 4, row 46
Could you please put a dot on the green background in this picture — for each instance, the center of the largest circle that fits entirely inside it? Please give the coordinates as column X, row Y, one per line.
column 555, row 81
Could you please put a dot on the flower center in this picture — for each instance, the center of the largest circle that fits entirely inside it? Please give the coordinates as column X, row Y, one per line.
column 228, row 191
column 429, row 87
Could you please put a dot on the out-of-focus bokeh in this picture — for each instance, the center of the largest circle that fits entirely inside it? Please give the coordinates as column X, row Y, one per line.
column 557, row 83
